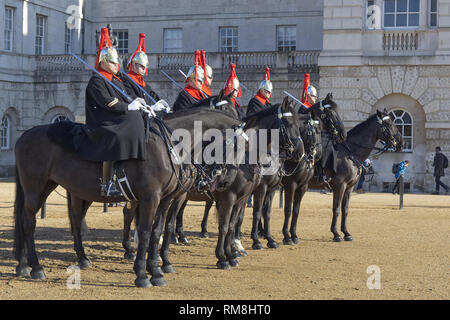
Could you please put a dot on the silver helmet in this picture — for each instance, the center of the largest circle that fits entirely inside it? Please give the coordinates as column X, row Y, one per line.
column 109, row 54
column 209, row 71
column 266, row 85
column 141, row 58
column 311, row 91
column 200, row 73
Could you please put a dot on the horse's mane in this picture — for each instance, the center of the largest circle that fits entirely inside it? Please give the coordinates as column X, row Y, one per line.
column 360, row 126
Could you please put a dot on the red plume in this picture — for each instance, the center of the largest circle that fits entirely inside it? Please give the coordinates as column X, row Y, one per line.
column 197, row 62
column 267, row 74
column 229, row 84
column 104, row 36
column 203, row 61
column 140, row 47
column 305, row 87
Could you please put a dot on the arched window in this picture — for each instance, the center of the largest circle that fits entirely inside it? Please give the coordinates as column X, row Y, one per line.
column 404, row 123
column 5, row 133
column 59, row 118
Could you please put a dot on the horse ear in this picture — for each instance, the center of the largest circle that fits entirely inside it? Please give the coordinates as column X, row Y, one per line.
column 379, row 114
column 385, row 111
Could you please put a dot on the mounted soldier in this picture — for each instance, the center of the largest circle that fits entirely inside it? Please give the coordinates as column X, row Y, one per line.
column 208, row 71
column 233, row 89
column 137, row 68
column 309, row 98
column 115, row 128
column 261, row 100
column 192, row 93
column 309, row 93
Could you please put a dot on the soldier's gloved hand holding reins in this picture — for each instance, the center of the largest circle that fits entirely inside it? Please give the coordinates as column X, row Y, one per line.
column 136, row 105
column 161, row 105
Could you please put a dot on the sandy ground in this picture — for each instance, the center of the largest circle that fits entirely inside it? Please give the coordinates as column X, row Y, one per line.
column 409, row 247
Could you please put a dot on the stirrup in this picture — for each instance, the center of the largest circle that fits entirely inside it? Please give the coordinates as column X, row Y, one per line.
column 108, row 189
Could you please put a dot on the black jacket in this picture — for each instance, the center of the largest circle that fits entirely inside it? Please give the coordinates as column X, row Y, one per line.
column 134, row 91
column 184, row 101
column 438, row 164
column 254, row 106
column 114, row 133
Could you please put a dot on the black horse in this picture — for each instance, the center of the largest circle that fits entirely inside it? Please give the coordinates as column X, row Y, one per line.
column 152, row 181
column 346, row 170
column 325, row 113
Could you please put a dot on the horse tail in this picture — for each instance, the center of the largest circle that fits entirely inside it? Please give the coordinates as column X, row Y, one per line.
column 19, row 237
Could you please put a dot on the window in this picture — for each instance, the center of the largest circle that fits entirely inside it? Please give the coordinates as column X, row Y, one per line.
column 401, row 13
column 433, row 13
column 40, row 35
column 286, row 38
column 122, row 39
column 228, row 39
column 9, row 29
column 5, row 128
column 59, row 118
column 173, row 40
column 68, row 36
column 403, row 121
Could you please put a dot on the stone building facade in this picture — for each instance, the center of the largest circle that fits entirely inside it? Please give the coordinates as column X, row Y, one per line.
column 366, row 67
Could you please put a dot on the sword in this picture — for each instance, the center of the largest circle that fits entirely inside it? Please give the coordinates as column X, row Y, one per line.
column 184, row 75
column 127, row 97
column 142, row 89
column 295, row 99
column 171, row 79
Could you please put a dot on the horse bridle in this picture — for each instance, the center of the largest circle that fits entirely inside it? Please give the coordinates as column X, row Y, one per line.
column 388, row 135
column 331, row 127
column 287, row 144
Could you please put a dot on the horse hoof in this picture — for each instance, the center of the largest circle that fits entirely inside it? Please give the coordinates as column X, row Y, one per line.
column 38, row 273
column 23, row 272
column 233, row 262
column 168, row 268
column 158, row 282
column 288, row 242
column 272, row 245
column 223, row 265
column 183, row 240
column 337, row 239
column 84, row 264
column 142, row 283
column 129, row 256
column 204, row 235
column 348, row 238
column 236, row 254
column 295, row 240
column 257, row 246
column 244, row 253
column 173, row 239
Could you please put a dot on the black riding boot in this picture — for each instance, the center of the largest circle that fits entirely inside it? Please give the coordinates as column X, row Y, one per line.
column 108, row 188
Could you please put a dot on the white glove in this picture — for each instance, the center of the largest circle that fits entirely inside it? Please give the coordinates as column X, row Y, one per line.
column 161, row 105
column 135, row 105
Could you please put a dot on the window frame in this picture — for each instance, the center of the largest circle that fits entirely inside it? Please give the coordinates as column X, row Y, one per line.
column 68, row 39
column 395, row 13
column 39, row 42
column 234, row 39
column 294, row 27
column 121, row 49
column 401, row 130
column 10, row 38
column 166, row 40
column 430, row 13
column 5, row 139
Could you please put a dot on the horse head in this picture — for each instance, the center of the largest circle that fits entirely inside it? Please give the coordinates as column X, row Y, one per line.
column 326, row 112
column 388, row 131
column 311, row 135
